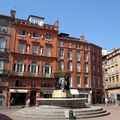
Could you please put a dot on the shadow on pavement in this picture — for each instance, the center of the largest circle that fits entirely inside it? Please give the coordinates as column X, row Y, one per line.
column 4, row 117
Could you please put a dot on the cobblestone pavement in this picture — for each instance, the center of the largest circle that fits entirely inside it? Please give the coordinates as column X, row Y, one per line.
column 7, row 114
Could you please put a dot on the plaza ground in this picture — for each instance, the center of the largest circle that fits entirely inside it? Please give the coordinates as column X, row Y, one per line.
column 7, row 114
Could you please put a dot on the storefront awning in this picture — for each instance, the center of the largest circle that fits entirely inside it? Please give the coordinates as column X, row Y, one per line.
column 74, row 92
column 18, row 91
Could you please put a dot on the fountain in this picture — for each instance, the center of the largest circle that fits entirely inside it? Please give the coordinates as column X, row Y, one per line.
column 61, row 106
column 61, row 96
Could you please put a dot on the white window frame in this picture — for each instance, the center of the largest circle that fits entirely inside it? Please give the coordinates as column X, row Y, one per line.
column 2, row 63
column 70, row 55
column 61, row 65
column 36, row 68
column 16, row 67
column 2, row 44
column 50, row 70
column 48, row 51
column 61, row 53
column 70, row 66
column 78, row 55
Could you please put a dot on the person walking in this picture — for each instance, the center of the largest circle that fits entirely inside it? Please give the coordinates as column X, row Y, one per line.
column 106, row 101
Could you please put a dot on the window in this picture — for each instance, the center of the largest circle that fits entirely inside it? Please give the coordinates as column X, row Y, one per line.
column 70, row 79
column 61, row 65
column 48, row 37
column 78, row 67
column 48, row 51
column 47, row 70
column 70, row 66
column 35, row 47
column 41, row 36
column 99, row 82
column 98, row 60
column 86, row 68
column 19, row 67
column 22, row 32
column 36, row 21
column 70, row 55
column 93, row 81
column 35, row 35
column 69, row 45
column 1, row 66
column 33, row 84
column 78, row 46
column 3, row 28
column 2, row 44
column 86, row 57
column 61, row 53
column 21, row 48
column 78, row 80
column 46, row 85
column 19, row 83
column 86, row 47
column 86, row 81
column 34, row 68
column 93, row 58
column 78, row 56
column 61, row 43
column 41, row 50
column 28, row 48
column 93, row 68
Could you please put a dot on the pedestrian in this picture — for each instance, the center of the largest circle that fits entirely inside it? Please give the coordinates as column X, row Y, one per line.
column 106, row 101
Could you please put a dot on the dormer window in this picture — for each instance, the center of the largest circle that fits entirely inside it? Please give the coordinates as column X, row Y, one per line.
column 36, row 20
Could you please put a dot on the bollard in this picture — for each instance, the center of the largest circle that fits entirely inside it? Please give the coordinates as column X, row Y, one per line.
column 70, row 114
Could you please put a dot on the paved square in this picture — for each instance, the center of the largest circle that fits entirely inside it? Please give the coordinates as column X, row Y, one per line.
column 114, row 110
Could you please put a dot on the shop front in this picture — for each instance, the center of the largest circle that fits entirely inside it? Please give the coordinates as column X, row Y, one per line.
column 18, row 97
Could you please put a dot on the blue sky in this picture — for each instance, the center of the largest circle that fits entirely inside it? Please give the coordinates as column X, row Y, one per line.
column 97, row 20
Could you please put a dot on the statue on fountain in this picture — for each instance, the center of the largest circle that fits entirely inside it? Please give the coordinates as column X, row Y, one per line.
column 62, row 86
column 62, row 83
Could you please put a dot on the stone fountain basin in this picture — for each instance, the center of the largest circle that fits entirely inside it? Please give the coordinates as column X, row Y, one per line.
column 63, row 102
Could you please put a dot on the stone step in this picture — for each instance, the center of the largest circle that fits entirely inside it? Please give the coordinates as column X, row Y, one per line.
column 56, row 117
column 92, row 109
column 93, row 115
column 90, row 113
column 59, row 114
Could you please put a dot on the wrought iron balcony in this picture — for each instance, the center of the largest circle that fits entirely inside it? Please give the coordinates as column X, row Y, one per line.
column 28, row 74
column 4, row 50
column 3, row 72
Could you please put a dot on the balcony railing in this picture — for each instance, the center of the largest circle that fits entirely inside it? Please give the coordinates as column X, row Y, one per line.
column 3, row 72
column 27, row 74
column 4, row 50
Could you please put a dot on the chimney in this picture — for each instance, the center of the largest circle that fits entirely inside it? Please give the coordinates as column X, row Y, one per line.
column 12, row 13
column 82, row 37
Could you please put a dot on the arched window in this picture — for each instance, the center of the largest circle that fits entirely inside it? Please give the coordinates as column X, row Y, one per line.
column 2, row 44
column 34, row 68
column 19, row 67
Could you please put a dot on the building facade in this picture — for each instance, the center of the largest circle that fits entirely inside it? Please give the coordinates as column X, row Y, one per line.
column 37, row 51
column 5, row 39
column 83, row 60
column 112, row 81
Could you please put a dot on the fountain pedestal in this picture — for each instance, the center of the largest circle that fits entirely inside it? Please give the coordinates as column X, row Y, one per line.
column 61, row 94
